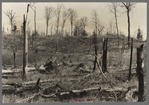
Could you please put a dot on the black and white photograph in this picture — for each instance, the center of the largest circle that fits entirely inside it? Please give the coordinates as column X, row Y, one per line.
column 74, row 52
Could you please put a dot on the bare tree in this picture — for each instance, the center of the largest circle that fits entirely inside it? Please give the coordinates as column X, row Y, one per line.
column 34, row 9
column 95, row 21
column 98, row 28
column 95, row 24
column 128, row 7
column 48, row 16
column 84, row 21
column 72, row 16
column 64, row 18
column 11, row 16
column 58, row 13
column 114, row 9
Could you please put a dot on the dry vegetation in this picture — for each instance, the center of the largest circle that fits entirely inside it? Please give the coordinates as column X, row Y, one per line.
column 75, row 49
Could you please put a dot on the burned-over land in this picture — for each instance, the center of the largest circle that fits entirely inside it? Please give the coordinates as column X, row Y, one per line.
column 74, row 52
column 70, row 76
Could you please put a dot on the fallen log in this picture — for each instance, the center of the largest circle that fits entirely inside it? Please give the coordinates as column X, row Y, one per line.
column 56, row 94
column 75, row 93
column 19, row 70
column 28, row 69
column 30, row 84
column 42, row 81
column 17, row 88
column 8, row 89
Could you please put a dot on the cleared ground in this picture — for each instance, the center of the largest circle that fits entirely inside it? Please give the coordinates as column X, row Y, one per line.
column 75, row 50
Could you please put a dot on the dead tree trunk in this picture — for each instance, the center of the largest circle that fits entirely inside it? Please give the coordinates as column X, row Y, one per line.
column 95, row 44
column 140, row 60
column 47, row 29
column 24, row 55
column 14, row 49
column 14, row 54
column 104, row 59
column 130, row 59
column 32, row 41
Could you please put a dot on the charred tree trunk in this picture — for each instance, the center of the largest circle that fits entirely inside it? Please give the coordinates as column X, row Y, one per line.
column 140, row 74
column 130, row 59
column 24, row 52
column 104, row 59
column 47, row 29
column 14, row 54
column 14, row 50
column 95, row 59
column 95, row 45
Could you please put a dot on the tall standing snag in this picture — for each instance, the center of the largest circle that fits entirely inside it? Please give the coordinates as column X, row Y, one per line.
column 104, row 59
column 15, row 48
column 24, row 45
column 130, row 59
column 140, row 61
column 95, row 45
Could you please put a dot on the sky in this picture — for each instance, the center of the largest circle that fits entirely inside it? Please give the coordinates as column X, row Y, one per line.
column 138, row 15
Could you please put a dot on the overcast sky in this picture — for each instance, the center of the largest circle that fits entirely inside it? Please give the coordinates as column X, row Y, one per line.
column 138, row 15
